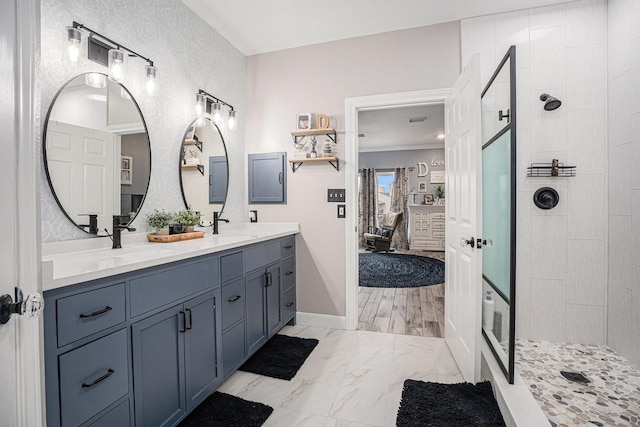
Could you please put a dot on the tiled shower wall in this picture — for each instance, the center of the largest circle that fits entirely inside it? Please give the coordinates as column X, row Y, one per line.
column 624, row 178
column 561, row 253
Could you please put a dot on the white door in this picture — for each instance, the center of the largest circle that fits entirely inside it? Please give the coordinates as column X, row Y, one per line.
column 463, row 287
column 83, row 169
column 20, row 375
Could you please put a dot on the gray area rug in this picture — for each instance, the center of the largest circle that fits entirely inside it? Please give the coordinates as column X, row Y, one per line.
column 384, row 270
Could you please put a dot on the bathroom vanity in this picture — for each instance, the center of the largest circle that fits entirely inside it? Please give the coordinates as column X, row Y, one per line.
column 141, row 335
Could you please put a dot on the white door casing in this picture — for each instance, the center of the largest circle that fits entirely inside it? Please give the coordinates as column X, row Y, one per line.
column 463, row 263
column 21, row 399
column 352, row 107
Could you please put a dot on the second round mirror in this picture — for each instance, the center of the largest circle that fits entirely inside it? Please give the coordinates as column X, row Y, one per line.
column 204, row 172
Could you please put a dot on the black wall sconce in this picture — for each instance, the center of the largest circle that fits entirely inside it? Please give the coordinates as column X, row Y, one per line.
column 207, row 103
column 104, row 51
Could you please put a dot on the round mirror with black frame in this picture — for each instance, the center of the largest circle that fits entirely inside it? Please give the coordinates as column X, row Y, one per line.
column 96, row 151
column 204, row 171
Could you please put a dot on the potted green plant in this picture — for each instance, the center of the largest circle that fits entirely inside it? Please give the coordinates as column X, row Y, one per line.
column 440, row 192
column 188, row 219
column 160, row 220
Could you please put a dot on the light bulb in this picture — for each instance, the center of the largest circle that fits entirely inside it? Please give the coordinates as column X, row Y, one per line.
column 117, row 63
column 151, row 78
column 95, row 80
column 216, row 113
column 74, row 36
column 199, row 106
column 232, row 123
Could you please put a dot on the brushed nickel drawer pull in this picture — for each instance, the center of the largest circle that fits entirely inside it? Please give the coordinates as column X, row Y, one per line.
column 96, row 313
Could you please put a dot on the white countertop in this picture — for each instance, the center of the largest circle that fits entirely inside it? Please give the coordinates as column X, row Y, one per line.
column 71, row 262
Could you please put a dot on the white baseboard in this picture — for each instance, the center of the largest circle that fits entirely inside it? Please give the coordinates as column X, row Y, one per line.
column 517, row 405
column 321, row 320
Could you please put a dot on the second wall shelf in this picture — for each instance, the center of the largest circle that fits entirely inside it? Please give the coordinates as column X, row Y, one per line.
column 296, row 163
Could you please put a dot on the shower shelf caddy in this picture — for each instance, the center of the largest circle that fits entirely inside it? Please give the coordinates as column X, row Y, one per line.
column 544, row 170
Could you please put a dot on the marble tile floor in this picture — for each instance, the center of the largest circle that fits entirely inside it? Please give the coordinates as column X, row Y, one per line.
column 409, row 311
column 351, row 379
column 612, row 398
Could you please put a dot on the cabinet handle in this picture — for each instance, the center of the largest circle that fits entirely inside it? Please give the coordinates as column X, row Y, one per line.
column 288, row 246
column 190, row 324
column 96, row 313
column 269, row 279
column 99, row 380
column 184, row 322
column 289, row 304
column 288, row 273
column 280, row 178
column 234, row 299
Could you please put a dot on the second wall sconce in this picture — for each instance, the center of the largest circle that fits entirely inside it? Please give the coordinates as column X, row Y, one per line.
column 207, row 103
column 106, row 52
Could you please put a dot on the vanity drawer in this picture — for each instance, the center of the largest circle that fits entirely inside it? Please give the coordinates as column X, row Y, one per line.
column 261, row 256
column 93, row 377
column 84, row 314
column 233, row 345
column 118, row 416
column 232, row 303
column 164, row 287
column 287, row 246
column 288, row 273
column 231, row 267
column 288, row 305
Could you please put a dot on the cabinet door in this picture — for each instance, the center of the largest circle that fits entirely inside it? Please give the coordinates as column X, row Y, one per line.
column 201, row 361
column 158, row 374
column 267, row 178
column 273, row 286
column 255, row 306
column 218, row 178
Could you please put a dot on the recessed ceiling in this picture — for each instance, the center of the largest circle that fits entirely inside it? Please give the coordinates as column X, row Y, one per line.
column 390, row 130
column 260, row 26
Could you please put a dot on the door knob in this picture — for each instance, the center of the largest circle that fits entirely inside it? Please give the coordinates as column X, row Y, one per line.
column 464, row 242
column 31, row 307
column 484, row 242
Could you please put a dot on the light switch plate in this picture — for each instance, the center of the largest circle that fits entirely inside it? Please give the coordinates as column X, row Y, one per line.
column 341, row 211
column 335, row 195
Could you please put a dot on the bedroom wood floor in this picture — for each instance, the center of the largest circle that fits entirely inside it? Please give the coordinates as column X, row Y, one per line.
column 407, row 311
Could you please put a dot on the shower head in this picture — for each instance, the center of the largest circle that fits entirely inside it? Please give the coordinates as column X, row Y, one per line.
column 550, row 103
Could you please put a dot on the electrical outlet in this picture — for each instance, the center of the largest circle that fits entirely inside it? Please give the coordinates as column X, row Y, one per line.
column 341, row 211
column 335, row 195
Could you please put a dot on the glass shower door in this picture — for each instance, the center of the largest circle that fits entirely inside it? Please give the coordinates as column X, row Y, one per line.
column 499, row 213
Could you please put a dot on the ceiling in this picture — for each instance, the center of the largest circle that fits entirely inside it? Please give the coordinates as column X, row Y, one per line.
column 260, row 26
column 389, row 129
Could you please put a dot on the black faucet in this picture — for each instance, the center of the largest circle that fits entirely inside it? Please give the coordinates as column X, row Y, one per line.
column 117, row 230
column 216, row 219
column 93, row 223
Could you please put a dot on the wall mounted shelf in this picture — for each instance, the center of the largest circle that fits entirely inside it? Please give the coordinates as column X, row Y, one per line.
column 199, row 167
column 299, row 135
column 195, row 142
column 540, row 170
column 296, row 163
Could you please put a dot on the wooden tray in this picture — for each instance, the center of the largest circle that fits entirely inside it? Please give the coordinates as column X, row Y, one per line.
column 164, row 238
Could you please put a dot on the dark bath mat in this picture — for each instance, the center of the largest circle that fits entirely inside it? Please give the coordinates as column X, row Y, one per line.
column 378, row 270
column 448, row 405
column 280, row 357
column 225, row 410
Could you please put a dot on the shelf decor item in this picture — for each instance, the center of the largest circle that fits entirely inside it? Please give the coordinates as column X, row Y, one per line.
column 160, row 220
column 303, row 121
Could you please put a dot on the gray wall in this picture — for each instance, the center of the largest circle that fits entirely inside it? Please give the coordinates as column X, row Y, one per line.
column 405, row 158
column 136, row 146
column 561, row 261
column 623, row 298
column 189, row 56
column 317, row 79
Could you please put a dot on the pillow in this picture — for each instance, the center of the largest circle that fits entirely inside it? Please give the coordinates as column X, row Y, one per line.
column 382, row 232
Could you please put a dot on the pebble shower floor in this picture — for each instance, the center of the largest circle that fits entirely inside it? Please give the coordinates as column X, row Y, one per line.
column 611, row 398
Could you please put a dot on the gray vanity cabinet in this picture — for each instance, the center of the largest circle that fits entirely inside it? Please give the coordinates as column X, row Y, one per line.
column 174, row 359
column 263, row 306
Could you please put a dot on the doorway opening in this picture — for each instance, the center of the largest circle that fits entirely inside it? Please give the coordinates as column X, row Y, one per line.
column 417, row 190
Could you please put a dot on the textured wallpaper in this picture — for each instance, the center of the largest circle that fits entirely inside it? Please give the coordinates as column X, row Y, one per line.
column 189, row 56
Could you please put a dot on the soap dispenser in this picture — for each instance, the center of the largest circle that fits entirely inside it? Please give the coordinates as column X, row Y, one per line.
column 488, row 307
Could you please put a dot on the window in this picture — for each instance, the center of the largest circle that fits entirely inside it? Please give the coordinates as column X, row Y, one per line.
column 385, row 186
